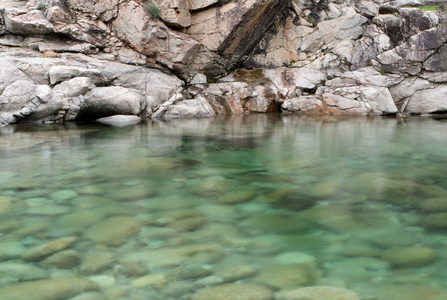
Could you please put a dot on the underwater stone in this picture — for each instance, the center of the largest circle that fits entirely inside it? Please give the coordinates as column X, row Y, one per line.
column 287, row 276
column 238, row 272
column 410, row 256
column 234, row 291
column 435, row 221
column 63, row 288
column 46, row 249
column 286, row 258
column 63, row 195
column 235, row 197
column 113, row 231
column 96, row 263
column 156, row 280
column 317, row 293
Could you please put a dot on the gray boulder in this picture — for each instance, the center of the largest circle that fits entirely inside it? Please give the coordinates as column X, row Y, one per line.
column 108, row 101
column 195, row 108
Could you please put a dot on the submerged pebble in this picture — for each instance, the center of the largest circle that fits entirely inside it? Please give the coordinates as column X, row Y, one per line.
column 113, row 231
column 234, row 291
column 410, row 256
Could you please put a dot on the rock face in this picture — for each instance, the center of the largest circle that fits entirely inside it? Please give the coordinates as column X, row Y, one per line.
column 70, row 60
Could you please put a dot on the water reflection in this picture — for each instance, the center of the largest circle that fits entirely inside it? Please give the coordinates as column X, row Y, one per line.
column 183, row 209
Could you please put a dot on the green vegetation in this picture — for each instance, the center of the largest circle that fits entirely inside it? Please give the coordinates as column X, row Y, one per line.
column 155, row 11
column 439, row 7
column 42, row 6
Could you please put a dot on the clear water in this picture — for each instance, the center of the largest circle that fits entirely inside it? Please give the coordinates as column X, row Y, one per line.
column 280, row 201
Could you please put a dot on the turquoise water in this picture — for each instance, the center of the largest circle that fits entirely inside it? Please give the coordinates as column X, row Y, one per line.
column 172, row 209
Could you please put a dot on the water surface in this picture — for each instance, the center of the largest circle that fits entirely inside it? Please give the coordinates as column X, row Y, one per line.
column 165, row 209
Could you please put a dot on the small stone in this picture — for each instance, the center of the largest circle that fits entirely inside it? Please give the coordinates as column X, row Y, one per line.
column 234, row 291
column 435, row 205
column 113, row 231
column 213, row 187
column 286, row 276
column 435, row 221
column 75, row 222
column 22, row 272
column 396, row 149
column 294, row 258
column 63, row 288
column 237, row 273
column 89, row 296
column 130, row 269
column 10, row 206
column 188, row 224
column 410, row 256
column 357, row 269
column 317, row 293
column 277, row 223
column 48, row 210
column 46, row 249
column 11, row 250
column 104, row 281
column 155, row 280
column 63, row 195
column 235, row 197
column 62, row 260
column 96, row 263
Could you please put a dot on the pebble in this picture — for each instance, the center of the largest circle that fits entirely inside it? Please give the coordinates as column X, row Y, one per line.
column 95, row 263
column 317, row 293
column 434, row 204
column 62, row 260
column 358, row 269
column 286, row 276
column 113, row 231
column 294, row 258
column 188, row 224
column 277, row 223
column 63, row 195
column 410, row 256
column 22, row 272
column 11, row 206
column 89, row 296
column 233, row 291
column 46, row 249
column 104, row 281
column 48, row 210
column 156, row 280
column 435, row 221
column 236, row 273
column 46, row 289
column 75, row 222
column 10, row 250
column 235, row 197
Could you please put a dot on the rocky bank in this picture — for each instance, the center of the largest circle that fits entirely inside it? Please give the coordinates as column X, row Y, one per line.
column 63, row 60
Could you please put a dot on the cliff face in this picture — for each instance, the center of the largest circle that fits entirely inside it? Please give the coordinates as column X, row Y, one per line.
column 64, row 60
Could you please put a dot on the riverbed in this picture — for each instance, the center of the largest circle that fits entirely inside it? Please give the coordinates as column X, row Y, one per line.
column 205, row 209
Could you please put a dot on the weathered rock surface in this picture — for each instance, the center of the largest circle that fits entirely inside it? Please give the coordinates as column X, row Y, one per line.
column 63, row 61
